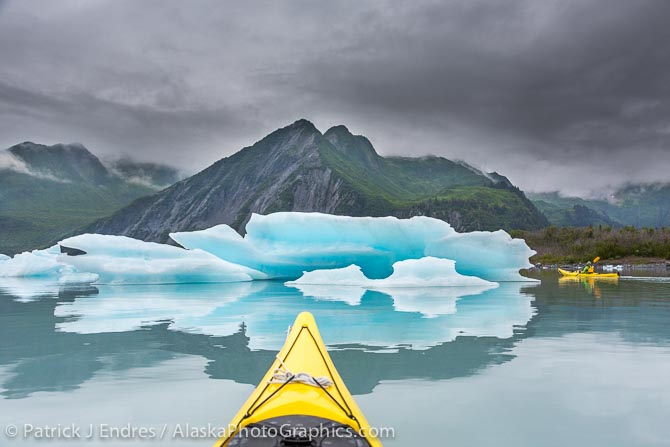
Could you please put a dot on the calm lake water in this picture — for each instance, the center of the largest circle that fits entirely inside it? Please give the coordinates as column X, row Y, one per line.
column 555, row 363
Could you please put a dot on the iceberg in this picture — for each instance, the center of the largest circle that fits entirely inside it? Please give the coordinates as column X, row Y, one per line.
column 430, row 286
column 74, row 278
column 420, row 251
column 491, row 255
column 123, row 260
column 424, row 272
column 287, row 244
column 36, row 263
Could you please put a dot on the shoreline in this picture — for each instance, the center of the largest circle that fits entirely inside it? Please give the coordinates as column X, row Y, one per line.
column 628, row 265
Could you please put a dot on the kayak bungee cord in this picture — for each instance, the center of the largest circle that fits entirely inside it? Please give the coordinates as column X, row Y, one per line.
column 349, row 414
column 284, row 375
column 346, row 411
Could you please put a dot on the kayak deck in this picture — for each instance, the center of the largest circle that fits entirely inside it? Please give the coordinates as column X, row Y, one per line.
column 284, row 395
column 298, row 430
column 588, row 275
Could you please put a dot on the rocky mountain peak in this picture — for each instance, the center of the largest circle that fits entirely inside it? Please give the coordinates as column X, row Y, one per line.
column 295, row 137
column 303, row 123
column 355, row 146
column 297, row 168
column 68, row 162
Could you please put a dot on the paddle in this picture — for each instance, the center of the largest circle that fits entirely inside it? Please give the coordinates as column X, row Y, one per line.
column 596, row 259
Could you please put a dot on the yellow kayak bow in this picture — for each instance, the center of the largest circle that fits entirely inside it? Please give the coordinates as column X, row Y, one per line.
column 301, row 400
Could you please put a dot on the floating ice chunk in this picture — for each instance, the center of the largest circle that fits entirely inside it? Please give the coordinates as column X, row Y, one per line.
column 37, row 263
column 424, row 272
column 430, row 286
column 4, row 257
column 430, row 272
column 346, row 276
column 284, row 245
column 612, row 268
column 119, row 259
column 494, row 256
column 44, row 264
column 78, row 278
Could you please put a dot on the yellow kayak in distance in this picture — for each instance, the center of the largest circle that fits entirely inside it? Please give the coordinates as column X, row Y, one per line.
column 301, row 400
column 587, row 275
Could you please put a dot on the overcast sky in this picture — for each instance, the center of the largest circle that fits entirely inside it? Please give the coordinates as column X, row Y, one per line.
column 570, row 95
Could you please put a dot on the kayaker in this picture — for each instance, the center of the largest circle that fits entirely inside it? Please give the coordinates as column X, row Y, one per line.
column 588, row 268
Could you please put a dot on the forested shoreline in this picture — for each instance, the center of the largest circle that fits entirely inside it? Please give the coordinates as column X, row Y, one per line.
column 570, row 245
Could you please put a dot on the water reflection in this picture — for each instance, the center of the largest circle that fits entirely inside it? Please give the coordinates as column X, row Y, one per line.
column 429, row 301
column 592, row 286
column 56, row 338
column 376, row 319
column 61, row 336
column 523, row 357
column 28, row 289
column 635, row 309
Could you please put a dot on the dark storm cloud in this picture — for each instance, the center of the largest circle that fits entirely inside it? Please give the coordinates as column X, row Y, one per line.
column 571, row 95
column 544, row 80
column 154, row 133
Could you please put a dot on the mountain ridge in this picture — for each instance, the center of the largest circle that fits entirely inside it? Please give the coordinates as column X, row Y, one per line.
column 297, row 168
column 637, row 205
column 48, row 191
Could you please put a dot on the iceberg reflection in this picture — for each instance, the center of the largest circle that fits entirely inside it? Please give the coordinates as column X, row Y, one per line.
column 420, row 317
column 29, row 289
column 75, row 333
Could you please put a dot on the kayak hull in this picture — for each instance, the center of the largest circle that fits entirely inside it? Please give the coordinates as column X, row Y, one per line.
column 587, row 275
column 330, row 405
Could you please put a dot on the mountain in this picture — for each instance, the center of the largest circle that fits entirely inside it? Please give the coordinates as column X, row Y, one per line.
column 637, row 205
column 153, row 175
column 571, row 211
column 641, row 205
column 297, row 168
column 48, row 191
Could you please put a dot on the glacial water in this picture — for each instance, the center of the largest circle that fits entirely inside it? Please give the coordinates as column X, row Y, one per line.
column 556, row 363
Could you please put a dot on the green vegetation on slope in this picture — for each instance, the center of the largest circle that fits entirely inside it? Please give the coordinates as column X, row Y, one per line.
column 486, row 208
column 432, row 186
column 34, row 212
column 60, row 188
column 395, row 179
column 572, row 245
